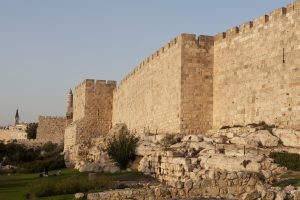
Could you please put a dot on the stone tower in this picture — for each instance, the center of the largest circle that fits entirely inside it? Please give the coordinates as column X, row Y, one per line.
column 69, row 113
column 17, row 118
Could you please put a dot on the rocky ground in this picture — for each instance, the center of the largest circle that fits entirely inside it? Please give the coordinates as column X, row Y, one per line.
column 232, row 163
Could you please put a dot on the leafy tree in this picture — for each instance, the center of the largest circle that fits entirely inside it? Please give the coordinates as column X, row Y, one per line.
column 31, row 130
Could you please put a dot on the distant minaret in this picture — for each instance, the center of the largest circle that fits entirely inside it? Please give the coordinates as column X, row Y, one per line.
column 17, row 118
column 69, row 113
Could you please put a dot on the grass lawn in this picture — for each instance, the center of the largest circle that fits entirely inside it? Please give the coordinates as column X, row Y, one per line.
column 16, row 186
column 290, row 178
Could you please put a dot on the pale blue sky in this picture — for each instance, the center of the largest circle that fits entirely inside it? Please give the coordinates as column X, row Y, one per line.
column 47, row 47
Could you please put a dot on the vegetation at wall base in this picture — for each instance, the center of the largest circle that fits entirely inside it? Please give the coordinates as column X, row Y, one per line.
column 170, row 139
column 18, row 186
column 31, row 160
column 121, row 148
column 289, row 160
column 61, row 185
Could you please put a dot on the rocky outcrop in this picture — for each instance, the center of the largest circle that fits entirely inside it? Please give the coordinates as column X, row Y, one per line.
column 91, row 155
column 231, row 163
column 290, row 138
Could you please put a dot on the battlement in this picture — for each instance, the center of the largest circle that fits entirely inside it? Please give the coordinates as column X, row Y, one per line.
column 200, row 40
column 259, row 22
column 92, row 82
column 51, row 118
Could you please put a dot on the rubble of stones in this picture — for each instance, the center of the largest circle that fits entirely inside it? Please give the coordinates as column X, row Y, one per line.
column 230, row 163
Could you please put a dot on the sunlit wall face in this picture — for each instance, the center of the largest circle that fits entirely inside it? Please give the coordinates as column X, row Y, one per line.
column 47, row 47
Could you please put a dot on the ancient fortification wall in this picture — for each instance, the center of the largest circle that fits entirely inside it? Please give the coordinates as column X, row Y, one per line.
column 196, row 84
column 149, row 97
column 163, row 94
column 92, row 111
column 8, row 135
column 246, row 75
column 51, row 129
column 256, row 71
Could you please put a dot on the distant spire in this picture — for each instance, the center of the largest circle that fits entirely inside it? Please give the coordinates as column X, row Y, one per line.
column 17, row 117
column 70, row 92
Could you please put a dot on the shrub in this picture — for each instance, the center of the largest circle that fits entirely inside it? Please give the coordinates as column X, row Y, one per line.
column 121, row 148
column 15, row 153
column 55, row 162
column 169, row 140
column 289, row 160
column 49, row 146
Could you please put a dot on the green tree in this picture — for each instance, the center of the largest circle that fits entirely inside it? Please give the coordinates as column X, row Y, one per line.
column 31, row 130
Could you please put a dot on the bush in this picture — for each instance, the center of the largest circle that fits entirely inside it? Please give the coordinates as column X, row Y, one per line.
column 121, row 148
column 70, row 185
column 169, row 140
column 30, row 159
column 289, row 160
column 13, row 153
column 49, row 146
column 56, row 162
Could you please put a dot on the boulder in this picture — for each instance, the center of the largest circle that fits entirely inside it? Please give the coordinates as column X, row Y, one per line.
column 265, row 138
column 295, row 194
column 260, row 137
column 290, row 138
column 79, row 195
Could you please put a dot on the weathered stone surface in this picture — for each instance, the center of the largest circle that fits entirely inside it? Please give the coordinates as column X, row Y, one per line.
column 265, row 138
column 289, row 138
column 79, row 195
column 251, row 196
column 51, row 129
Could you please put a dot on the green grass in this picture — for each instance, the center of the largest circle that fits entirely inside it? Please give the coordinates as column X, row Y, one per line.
column 16, row 186
column 60, row 197
column 289, row 178
column 289, row 160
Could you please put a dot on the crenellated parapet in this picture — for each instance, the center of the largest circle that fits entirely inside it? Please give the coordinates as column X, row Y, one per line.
column 259, row 22
column 176, row 42
column 91, row 83
column 51, row 118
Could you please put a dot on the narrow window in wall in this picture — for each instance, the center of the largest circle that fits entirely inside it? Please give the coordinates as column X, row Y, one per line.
column 283, row 56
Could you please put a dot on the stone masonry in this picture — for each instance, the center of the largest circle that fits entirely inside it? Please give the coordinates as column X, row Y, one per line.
column 171, row 91
column 245, row 75
column 51, row 129
column 256, row 71
column 92, row 111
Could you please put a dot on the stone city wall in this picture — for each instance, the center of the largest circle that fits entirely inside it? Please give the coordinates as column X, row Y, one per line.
column 51, row 129
column 171, row 91
column 148, row 99
column 197, row 84
column 257, row 70
column 8, row 135
column 92, row 111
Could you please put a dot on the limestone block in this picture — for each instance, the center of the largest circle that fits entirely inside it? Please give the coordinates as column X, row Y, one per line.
column 265, row 138
column 79, row 195
column 288, row 137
